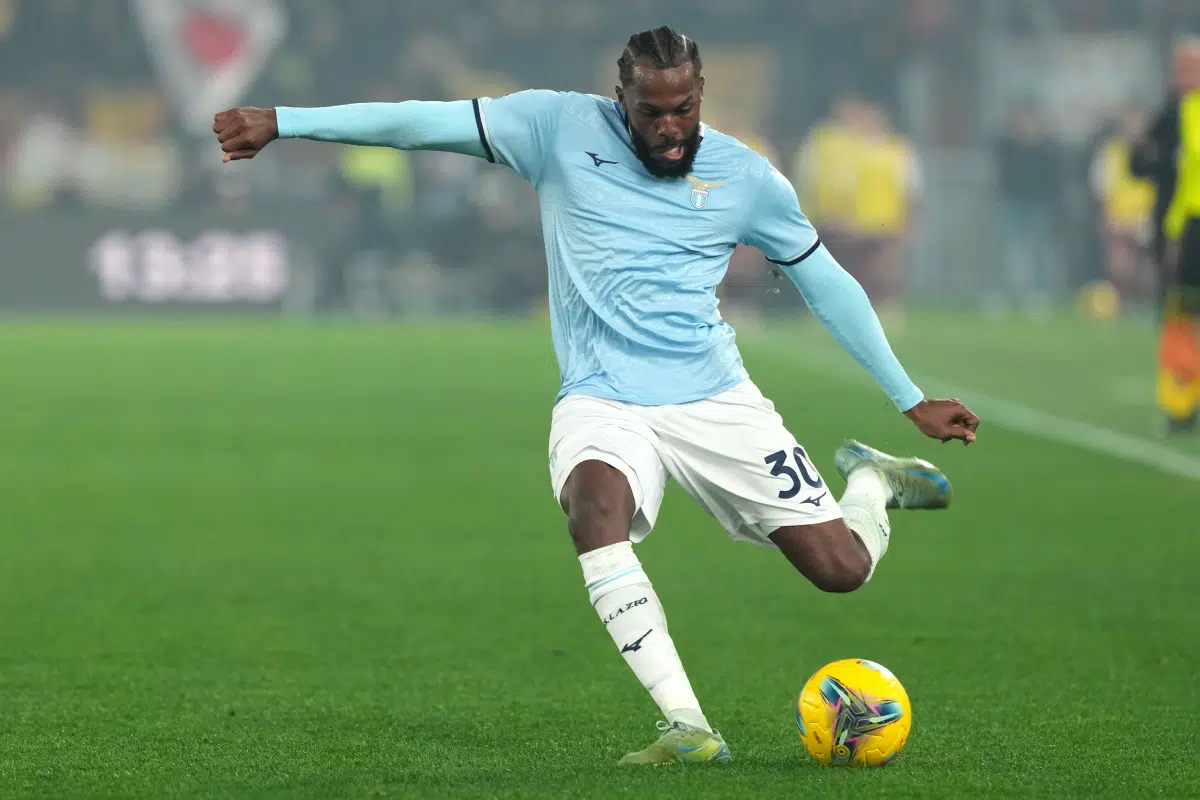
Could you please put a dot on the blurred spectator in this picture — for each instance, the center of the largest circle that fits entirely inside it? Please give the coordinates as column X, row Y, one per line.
column 1127, row 211
column 888, row 181
column 41, row 154
column 859, row 181
column 1027, row 174
column 823, row 171
column 125, row 157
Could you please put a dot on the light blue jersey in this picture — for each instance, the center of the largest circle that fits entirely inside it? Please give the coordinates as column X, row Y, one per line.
column 634, row 260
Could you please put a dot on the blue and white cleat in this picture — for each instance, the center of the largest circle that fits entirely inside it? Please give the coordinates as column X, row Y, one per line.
column 914, row 483
column 681, row 743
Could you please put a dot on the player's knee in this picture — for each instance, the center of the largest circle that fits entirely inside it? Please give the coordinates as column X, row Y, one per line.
column 844, row 571
column 599, row 506
column 594, row 522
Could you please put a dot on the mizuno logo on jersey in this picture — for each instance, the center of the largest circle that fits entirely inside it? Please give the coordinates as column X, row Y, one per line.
column 598, row 160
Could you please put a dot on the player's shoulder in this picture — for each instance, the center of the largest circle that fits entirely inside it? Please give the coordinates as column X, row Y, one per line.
column 565, row 99
column 733, row 156
column 591, row 110
column 565, row 111
column 532, row 98
column 597, row 101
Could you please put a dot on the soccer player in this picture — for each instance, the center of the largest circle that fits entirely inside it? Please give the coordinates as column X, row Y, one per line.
column 641, row 206
column 1169, row 154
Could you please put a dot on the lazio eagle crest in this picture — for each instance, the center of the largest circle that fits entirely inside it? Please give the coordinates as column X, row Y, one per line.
column 700, row 190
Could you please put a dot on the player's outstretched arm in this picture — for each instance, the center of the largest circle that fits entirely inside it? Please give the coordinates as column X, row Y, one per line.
column 840, row 302
column 778, row 228
column 411, row 125
column 515, row 130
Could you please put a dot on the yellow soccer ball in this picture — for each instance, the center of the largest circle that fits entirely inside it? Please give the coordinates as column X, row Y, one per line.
column 853, row 713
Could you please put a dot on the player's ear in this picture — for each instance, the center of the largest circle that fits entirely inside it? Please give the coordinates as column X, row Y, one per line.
column 701, row 87
column 620, row 95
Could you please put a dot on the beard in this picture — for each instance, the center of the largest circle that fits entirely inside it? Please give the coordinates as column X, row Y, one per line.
column 661, row 167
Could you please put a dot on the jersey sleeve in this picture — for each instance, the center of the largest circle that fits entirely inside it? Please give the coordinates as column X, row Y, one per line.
column 411, row 125
column 518, row 129
column 776, row 225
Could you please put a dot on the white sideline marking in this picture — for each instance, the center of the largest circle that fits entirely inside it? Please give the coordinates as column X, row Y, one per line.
column 1076, row 433
column 1038, row 423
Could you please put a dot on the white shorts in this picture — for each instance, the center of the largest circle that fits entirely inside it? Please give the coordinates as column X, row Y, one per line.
column 731, row 453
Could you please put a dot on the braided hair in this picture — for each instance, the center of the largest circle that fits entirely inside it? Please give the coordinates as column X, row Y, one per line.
column 660, row 48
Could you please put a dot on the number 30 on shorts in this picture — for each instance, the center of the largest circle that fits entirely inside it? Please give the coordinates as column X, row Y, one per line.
column 808, row 472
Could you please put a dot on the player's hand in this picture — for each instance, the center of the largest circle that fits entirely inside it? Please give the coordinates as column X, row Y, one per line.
column 242, row 132
column 944, row 420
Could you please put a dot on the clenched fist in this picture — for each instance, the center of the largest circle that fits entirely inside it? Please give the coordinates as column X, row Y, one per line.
column 242, row 132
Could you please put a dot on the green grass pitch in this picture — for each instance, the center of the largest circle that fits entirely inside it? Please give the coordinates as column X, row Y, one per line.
column 287, row 560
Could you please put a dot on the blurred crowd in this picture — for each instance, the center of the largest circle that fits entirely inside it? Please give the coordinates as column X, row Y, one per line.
column 88, row 121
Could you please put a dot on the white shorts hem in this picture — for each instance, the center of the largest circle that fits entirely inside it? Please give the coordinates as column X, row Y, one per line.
column 759, row 531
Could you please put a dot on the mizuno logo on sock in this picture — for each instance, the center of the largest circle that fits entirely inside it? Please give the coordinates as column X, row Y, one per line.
column 636, row 645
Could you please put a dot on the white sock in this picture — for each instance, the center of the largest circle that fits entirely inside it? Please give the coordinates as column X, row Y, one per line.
column 623, row 597
column 863, row 508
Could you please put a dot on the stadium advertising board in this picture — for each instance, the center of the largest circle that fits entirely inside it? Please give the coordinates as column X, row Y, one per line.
column 102, row 261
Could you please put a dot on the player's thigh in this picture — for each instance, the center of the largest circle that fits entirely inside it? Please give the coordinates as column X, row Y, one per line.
column 604, row 463
column 734, row 455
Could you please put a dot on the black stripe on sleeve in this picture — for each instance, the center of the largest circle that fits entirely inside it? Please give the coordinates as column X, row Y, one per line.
column 800, row 257
column 483, row 139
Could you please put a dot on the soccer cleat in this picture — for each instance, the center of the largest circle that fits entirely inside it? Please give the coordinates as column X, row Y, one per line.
column 681, row 743
column 915, row 483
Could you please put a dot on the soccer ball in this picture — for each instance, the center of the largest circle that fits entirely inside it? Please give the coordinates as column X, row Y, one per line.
column 853, row 713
